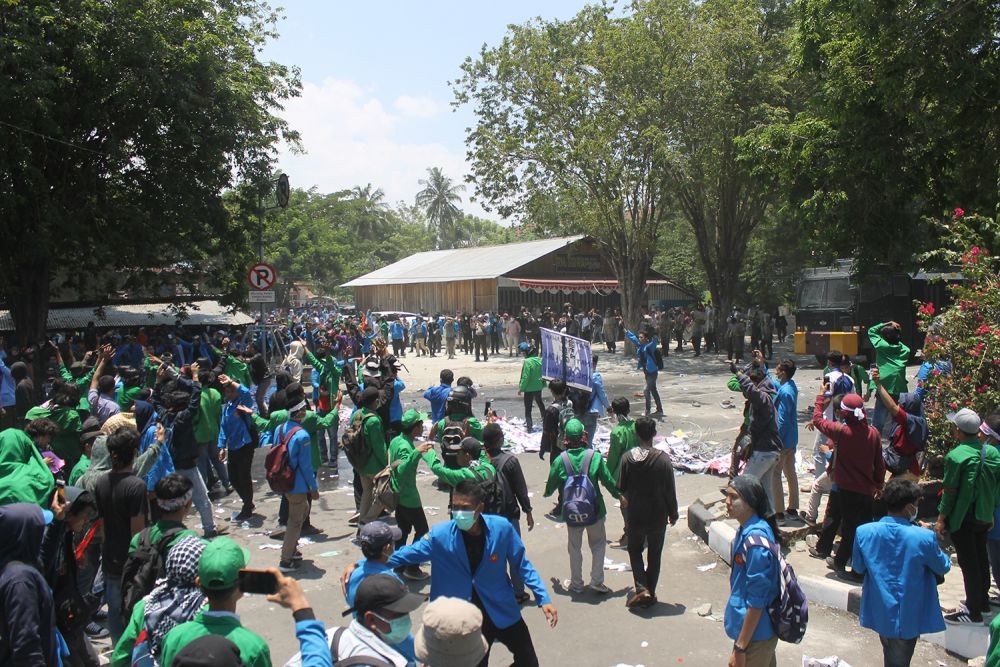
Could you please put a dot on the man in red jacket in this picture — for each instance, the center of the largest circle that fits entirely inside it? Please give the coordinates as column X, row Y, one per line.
column 858, row 476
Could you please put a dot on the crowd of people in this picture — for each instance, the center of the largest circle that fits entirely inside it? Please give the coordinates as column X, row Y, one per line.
column 103, row 463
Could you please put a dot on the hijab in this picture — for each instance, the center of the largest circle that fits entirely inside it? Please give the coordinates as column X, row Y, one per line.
column 293, row 362
column 916, row 428
column 143, row 411
column 753, row 494
column 22, row 526
column 176, row 598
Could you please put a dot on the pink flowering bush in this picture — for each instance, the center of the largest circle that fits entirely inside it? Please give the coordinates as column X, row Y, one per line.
column 967, row 333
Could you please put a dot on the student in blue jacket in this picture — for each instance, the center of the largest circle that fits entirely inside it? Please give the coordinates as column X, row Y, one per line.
column 755, row 580
column 645, row 352
column 469, row 555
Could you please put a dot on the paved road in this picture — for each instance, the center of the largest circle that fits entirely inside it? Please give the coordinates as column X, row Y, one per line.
column 593, row 630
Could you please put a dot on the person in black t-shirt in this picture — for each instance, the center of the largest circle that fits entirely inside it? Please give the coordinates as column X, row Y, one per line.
column 646, row 481
column 515, row 493
column 123, row 505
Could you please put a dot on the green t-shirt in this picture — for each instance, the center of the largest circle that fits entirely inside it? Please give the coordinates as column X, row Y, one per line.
column 969, row 486
column 156, row 531
column 126, row 396
column 404, row 476
column 208, row 420
column 531, row 375
column 77, row 472
column 453, row 476
column 623, row 438
column 66, row 443
column 253, row 650
column 598, row 473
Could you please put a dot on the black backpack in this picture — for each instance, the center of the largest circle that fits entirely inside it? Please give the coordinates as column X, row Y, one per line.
column 493, row 498
column 511, row 508
column 658, row 358
column 143, row 567
column 453, row 433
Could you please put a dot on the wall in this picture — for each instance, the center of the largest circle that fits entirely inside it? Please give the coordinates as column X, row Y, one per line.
column 446, row 297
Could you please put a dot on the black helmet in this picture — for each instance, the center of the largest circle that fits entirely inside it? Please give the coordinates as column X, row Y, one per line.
column 460, row 394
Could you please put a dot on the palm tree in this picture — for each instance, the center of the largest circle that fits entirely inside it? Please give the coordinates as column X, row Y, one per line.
column 370, row 223
column 440, row 200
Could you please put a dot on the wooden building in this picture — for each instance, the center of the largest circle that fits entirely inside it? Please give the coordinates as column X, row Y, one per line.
column 504, row 278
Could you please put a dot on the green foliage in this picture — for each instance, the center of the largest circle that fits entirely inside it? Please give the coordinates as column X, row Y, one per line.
column 439, row 200
column 900, row 120
column 968, row 335
column 614, row 124
column 124, row 122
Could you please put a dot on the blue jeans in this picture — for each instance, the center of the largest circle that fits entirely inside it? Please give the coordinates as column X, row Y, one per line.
column 200, row 493
column 650, row 391
column 210, row 456
column 590, row 424
column 328, row 449
column 881, row 415
column 113, row 595
column 897, row 652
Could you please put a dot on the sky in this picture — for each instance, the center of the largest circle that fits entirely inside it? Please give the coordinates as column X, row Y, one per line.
column 376, row 104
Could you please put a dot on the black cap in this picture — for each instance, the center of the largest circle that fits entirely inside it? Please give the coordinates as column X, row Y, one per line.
column 208, row 651
column 384, row 591
column 471, row 446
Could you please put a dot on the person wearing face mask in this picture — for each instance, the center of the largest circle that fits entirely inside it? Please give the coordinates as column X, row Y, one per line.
column 470, row 554
column 382, row 606
column 901, row 562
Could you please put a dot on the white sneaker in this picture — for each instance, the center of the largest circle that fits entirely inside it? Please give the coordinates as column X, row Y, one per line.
column 570, row 586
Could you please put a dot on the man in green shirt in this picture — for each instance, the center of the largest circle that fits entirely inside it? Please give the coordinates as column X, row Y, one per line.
column 459, row 412
column 174, row 497
column 891, row 355
column 623, row 438
column 206, row 433
column 577, row 452
column 473, row 464
column 378, row 456
column 404, row 456
column 218, row 577
column 531, row 385
column 970, row 494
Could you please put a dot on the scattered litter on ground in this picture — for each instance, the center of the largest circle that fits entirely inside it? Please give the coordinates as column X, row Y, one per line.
column 616, row 567
column 644, row 644
column 704, row 610
column 706, row 568
column 329, row 554
column 829, row 661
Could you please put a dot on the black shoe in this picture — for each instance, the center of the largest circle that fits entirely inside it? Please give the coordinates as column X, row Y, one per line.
column 851, row 577
column 816, row 554
column 309, row 530
column 287, row 566
column 245, row 515
column 96, row 630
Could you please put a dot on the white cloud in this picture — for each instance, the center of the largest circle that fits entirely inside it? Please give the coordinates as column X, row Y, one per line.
column 417, row 107
column 351, row 138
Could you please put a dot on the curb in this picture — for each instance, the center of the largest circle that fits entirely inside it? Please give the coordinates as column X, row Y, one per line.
column 962, row 640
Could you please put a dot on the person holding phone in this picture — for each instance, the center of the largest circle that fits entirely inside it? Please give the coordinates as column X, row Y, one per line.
column 218, row 577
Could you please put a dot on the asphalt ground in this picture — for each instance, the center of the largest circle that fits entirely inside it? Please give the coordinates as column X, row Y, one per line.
column 593, row 629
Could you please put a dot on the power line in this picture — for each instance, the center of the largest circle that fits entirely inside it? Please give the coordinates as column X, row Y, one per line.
column 50, row 138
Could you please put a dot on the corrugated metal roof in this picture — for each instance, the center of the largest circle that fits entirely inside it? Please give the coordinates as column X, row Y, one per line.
column 438, row 266
column 199, row 313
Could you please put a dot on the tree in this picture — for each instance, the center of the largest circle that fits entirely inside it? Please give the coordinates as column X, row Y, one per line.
column 370, row 219
column 629, row 120
column 123, row 123
column 440, row 200
column 899, row 122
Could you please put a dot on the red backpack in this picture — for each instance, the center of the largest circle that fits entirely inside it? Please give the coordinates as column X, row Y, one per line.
column 278, row 468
